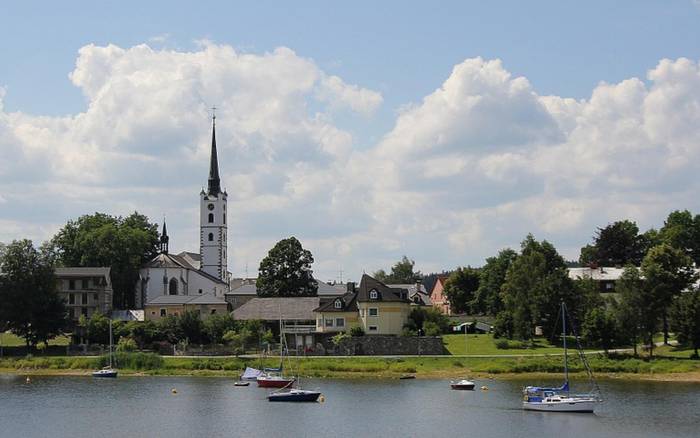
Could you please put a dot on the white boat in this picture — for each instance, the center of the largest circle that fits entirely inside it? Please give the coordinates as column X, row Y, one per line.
column 560, row 399
column 463, row 384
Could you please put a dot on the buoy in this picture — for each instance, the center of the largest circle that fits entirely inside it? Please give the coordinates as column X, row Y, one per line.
column 484, row 388
column 29, row 380
column 321, row 398
column 174, row 391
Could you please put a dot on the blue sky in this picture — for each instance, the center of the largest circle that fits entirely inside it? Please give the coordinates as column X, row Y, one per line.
column 400, row 51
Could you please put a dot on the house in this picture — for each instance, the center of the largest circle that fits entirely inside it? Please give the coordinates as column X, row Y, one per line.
column 85, row 291
column 294, row 314
column 377, row 308
column 247, row 290
column 437, row 296
column 605, row 277
column 417, row 293
column 175, row 305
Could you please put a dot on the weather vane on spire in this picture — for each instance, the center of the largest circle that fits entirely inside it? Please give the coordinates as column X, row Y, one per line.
column 213, row 113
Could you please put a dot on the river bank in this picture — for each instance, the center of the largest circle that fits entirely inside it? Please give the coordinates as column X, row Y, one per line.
column 615, row 366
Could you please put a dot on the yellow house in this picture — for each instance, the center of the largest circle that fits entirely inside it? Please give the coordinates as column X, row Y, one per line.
column 374, row 306
column 176, row 305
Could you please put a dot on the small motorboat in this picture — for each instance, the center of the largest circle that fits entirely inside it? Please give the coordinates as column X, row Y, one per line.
column 464, row 384
column 241, row 383
column 294, row 395
column 407, row 377
column 105, row 372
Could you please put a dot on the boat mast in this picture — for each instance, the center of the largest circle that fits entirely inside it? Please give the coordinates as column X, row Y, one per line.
column 563, row 333
column 110, row 342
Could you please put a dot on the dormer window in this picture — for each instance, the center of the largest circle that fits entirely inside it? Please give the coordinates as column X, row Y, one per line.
column 373, row 294
column 338, row 304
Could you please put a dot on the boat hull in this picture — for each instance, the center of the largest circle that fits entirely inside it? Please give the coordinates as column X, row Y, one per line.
column 294, row 396
column 105, row 374
column 462, row 387
column 583, row 406
column 274, row 383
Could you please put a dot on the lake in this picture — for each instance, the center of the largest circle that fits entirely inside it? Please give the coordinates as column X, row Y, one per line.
column 212, row 407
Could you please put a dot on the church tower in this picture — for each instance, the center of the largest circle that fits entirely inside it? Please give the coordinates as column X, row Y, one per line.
column 212, row 219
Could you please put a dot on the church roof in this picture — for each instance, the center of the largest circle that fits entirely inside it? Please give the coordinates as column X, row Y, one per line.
column 178, row 261
column 214, row 181
column 185, row 299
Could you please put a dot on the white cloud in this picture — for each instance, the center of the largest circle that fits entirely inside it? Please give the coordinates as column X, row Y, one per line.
column 471, row 168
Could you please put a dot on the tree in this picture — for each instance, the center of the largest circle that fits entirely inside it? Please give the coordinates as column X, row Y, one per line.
column 491, row 278
column 682, row 231
column 286, row 271
column 536, row 282
column 401, row 273
column 633, row 309
column 420, row 318
column 598, row 328
column 31, row 306
column 97, row 328
column 667, row 272
column 217, row 325
column 460, row 288
column 191, row 326
column 618, row 243
column 123, row 244
column 685, row 319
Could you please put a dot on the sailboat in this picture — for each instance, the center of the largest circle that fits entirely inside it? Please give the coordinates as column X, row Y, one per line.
column 536, row 398
column 107, row 371
column 289, row 394
column 273, row 377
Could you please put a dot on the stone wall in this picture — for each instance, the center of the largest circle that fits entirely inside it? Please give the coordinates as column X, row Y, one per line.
column 377, row 345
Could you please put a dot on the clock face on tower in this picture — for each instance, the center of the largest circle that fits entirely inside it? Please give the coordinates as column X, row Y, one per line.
column 210, row 206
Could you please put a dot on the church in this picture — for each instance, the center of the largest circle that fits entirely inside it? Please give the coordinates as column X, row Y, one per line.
column 172, row 283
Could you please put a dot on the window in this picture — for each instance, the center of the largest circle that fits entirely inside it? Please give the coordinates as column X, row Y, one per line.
column 373, row 294
column 85, row 283
column 224, row 218
column 213, row 311
column 71, row 299
column 340, row 322
column 172, row 287
column 153, row 312
column 71, row 284
column 373, row 311
column 373, row 328
column 200, row 291
column 84, row 311
column 162, row 312
column 211, row 237
column 72, row 313
column 95, row 297
column 84, row 298
column 338, row 304
column 320, row 322
column 211, row 218
column 608, row 286
column 329, row 322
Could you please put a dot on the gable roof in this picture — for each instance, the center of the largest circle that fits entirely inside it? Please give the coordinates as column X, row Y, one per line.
column 324, row 290
column 384, row 292
column 348, row 304
column 417, row 293
column 272, row 309
column 163, row 260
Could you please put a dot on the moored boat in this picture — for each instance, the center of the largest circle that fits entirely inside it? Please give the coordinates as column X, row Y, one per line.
column 463, row 384
column 274, row 381
column 294, row 395
column 105, row 372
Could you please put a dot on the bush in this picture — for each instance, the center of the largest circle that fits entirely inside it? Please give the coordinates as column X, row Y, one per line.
column 357, row 331
column 340, row 338
column 502, row 344
column 431, row 328
column 126, row 345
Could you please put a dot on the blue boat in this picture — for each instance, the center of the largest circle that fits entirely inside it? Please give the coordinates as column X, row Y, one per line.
column 294, row 395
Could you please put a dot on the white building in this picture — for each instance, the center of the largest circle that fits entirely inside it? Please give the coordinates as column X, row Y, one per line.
column 190, row 274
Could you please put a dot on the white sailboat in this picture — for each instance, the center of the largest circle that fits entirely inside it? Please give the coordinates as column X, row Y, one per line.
column 107, row 371
column 560, row 399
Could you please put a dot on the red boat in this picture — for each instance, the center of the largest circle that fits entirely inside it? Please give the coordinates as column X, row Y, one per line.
column 274, row 381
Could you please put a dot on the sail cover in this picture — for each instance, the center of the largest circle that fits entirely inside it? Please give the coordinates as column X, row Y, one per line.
column 251, row 374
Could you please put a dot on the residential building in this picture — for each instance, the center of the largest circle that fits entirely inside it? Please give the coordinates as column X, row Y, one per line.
column 605, row 277
column 247, row 290
column 85, row 291
column 175, row 305
column 377, row 308
column 437, row 296
column 417, row 293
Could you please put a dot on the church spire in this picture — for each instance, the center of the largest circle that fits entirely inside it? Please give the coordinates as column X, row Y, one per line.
column 164, row 239
column 214, row 182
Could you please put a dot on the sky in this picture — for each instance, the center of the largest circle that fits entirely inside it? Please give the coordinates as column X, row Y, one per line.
column 444, row 131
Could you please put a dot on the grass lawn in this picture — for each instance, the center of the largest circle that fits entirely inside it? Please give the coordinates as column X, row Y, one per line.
column 7, row 339
column 484, row 344
column 673, row 351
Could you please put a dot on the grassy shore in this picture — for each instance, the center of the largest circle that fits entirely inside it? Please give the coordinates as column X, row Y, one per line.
column 669, row 368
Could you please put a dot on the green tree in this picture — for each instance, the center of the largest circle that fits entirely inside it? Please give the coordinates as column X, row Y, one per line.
column 491, row 278
column 536, row 282
column 217, row 325
column 598, row 328
column 633, row 308
column 667, row 272
column 401, row 273
column 31, row 306
column 682, row 231
column 191, row 326
column 419, row 316
column 235, row 340
column 97, row 328
column 685, row 319
column 123, row 244
column 286, row 271
column 461, row 287
column 616, row 244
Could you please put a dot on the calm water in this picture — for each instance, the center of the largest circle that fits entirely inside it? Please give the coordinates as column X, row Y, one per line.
column 213, row 407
